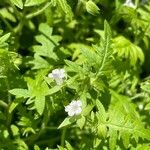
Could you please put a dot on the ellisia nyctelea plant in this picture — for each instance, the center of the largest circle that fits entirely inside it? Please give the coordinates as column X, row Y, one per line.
column 74, row 75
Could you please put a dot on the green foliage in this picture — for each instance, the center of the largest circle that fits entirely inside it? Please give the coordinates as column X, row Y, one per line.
column 66, row 9
column 126, row 49
column 33, row 2
column 47, row 43
column 74, row 75
column 127, row 121
column 92, row 8
column 18, row 3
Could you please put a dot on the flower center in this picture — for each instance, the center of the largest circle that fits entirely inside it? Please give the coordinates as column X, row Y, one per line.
column 74, row 107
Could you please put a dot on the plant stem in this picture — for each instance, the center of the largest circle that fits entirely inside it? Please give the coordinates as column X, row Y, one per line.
column 51, row 128
column 30, row 140
column 18, row 29
column 9, row 115
column 48, row 141
column 8, row 88
column 7, row 23
column 3, row 104
column 79, row 7
column 31, row 15
column 63, row 137
column 138, row 96
column 19, row 14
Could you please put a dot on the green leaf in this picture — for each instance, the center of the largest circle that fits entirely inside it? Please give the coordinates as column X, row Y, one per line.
column 61, row 148
column 101, row 115
column 33, row 2
column 66, row 122
column 21, row 144
column 54, row 90
column 6, row 62
column 64, row 6
column 38, row 90
column 14, row 104
column 74, row 67
column 126, row 139
column 112, row 139
column 91, row 57
column 87, row 110
column 4, row 38
column 7, row 14
column 102, row 131
column 36, row 147
column 124, row 118
column 39, row 62
column 124, row 48
column 105, row 51
column 14, row 130
column 18, row 3
column 147, row 107
column 96, row 142
column 45, row 47
column 146, row 86
column 40, row 104
column 68, row 146
column 20, row 93
column 3, row 42
column 81, row 122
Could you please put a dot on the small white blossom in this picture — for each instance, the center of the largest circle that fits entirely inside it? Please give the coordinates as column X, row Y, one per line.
column 141, row 106
column 74, row 108
column 58, row 75
column 129, row 3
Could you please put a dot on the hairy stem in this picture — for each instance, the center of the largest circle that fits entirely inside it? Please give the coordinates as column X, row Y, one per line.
column 63, row 137
column 51, row 128
column 9, row 115
column 38, row 12
column 3, row 104
column 7, row 23
column 8, row 88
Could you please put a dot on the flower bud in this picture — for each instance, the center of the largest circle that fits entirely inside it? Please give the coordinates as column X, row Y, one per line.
column 92, row 8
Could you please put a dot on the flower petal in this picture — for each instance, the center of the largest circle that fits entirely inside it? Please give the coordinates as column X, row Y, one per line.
column 50, row 75
column 67, row 108
column 78, row 111
column 79, row 103
column 129, row 3
column 73, row 103
column 71, row 113
column 55, row 71
column 74, row 108
column 59, row 81
column 62, row 73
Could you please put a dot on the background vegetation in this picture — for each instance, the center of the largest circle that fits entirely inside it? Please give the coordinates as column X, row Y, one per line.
column 104, row 47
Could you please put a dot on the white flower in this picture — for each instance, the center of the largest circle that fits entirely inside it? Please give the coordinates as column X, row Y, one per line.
column 129, row 3
column 74, row 108
column 58, row 75
column 141, row 106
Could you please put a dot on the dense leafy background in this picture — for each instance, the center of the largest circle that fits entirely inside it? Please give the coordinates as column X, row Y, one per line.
column 104, row 48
